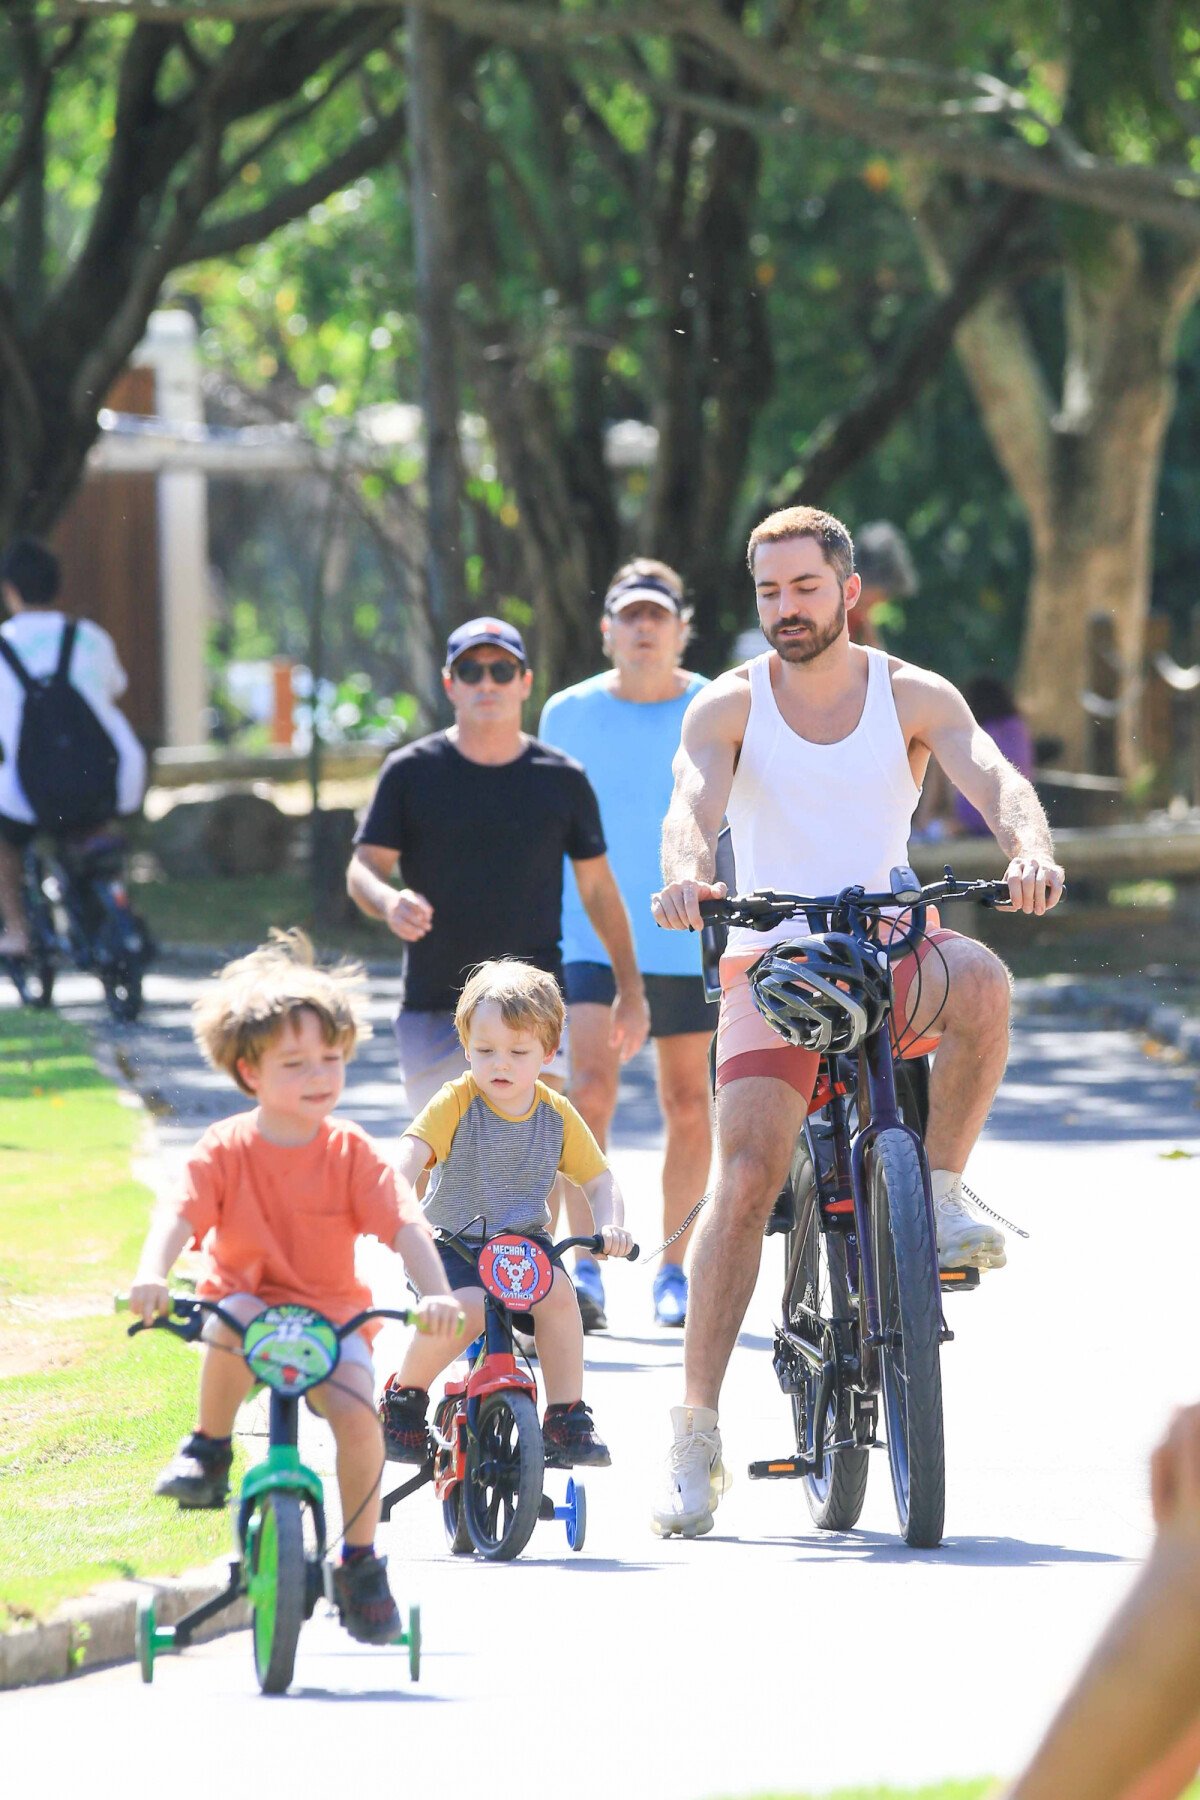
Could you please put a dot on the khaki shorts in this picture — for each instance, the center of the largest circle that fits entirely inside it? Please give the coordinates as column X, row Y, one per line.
column 431, row 1055
column 747, row 1045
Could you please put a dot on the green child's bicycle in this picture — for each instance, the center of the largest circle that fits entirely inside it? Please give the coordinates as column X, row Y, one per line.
column 289, row 1350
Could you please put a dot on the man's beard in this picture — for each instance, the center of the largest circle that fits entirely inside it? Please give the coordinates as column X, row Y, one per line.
column 803, row 650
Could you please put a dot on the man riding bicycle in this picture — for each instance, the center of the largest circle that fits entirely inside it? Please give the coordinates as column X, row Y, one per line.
column 70, row 760
column 816, row 752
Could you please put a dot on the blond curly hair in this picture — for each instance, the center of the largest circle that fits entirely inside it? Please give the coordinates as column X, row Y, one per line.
column 527, row 999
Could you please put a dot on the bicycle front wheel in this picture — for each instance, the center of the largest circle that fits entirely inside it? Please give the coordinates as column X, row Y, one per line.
column 506, row 1460
column 820, row 1286
column 276, row 1587
column 910, row 1321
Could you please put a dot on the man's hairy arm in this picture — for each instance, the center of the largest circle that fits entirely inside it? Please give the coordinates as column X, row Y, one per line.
column 703, row 768
column 943, row 722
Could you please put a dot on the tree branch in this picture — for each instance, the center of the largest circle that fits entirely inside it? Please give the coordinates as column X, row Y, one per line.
column 227, row 235
column 842, row 440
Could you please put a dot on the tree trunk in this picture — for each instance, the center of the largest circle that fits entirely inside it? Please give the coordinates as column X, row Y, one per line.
column 1087, row 472
column 431, row 130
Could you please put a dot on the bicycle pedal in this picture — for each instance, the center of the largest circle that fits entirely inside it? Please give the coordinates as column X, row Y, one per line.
column 781, row 1468
column 957, row 1281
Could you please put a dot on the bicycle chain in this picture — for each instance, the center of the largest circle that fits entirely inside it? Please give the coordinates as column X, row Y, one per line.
column 992, row 1214
column 702, row 1201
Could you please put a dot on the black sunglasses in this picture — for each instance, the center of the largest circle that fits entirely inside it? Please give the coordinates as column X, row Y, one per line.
column 470, row 670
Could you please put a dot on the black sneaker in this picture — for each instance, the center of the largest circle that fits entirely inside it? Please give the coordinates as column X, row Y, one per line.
column 198, row 1476
column 402, row 1413
column 570, row 1439
column 364, row 1600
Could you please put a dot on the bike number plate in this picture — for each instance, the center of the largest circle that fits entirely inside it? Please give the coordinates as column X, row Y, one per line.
column 291, row 1348
column 515, row 1271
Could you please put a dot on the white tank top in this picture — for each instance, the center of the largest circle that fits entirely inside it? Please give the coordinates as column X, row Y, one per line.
column 809, row 818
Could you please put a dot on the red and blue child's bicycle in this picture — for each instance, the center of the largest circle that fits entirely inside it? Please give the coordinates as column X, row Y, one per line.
column 488, row 1460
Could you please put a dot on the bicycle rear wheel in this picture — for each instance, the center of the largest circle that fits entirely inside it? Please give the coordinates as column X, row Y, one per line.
column 506, row 1460
column 820, row 1285
column 910, row 1321
column 276, row 1585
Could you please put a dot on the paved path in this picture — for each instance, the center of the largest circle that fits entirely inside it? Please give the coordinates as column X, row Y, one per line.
column 767, row 1656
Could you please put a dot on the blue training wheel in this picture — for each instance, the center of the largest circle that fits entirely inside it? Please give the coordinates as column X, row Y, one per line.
column 576, row 1511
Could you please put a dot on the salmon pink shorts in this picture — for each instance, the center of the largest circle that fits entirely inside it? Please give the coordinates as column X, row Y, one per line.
column 747, row 1045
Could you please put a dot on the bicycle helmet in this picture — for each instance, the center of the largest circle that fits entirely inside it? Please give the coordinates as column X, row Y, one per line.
column 825, row 993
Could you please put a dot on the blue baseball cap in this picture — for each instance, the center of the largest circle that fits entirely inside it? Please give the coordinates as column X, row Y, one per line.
column 477, row 632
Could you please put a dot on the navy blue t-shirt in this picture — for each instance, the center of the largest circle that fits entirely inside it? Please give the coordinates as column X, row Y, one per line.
column 484, row 844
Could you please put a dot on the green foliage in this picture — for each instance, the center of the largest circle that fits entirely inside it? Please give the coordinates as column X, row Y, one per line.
column 87, row 1417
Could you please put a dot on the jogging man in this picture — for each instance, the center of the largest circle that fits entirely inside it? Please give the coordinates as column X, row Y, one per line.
column 477, row 820
column 816, row 750
column 623, row 726
column 102, row 773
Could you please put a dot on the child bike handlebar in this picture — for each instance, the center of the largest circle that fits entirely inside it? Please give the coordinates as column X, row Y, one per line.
column 191, row 1310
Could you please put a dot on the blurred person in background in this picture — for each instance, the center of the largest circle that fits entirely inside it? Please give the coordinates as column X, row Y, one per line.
column 623, row 725
column 71, row 763
column 476, row 822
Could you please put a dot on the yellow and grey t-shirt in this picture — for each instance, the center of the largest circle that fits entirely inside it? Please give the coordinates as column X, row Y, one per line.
column 498, row 1168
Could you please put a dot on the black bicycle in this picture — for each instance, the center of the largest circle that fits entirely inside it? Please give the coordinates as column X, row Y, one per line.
column 862, row 1308
column 79, row 916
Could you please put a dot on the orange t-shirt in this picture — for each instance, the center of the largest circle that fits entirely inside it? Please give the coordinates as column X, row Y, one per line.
column 281, row 1221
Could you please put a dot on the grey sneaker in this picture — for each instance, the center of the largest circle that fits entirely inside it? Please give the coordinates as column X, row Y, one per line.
column 963, row 1241
column 694, row 1478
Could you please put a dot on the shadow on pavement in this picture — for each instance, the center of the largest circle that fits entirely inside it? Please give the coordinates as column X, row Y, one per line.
column 1073, row 1086
column 974, row 1552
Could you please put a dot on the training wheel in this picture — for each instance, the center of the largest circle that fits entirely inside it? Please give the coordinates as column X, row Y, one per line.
column 576, row 1510
column 145, row 1638
column 414, row 1643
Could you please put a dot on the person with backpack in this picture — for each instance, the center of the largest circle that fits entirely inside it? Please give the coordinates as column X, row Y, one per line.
column 71, row 762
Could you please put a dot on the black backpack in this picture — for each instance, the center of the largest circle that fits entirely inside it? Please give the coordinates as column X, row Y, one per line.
column 66, row 761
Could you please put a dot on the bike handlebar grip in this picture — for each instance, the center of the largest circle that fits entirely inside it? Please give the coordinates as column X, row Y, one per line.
column 713, row 912
column 634, row 1253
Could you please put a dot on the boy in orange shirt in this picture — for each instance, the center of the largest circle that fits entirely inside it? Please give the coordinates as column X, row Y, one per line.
column 277, row 1198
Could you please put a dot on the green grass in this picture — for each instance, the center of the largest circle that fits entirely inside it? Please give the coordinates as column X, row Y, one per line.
column 87, row 1415
column 222, row 911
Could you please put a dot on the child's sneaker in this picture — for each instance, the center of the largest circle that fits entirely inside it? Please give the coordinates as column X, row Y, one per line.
column 198, row 1474
column 570, row 1439
column 403, row 1414
column 364, row 1599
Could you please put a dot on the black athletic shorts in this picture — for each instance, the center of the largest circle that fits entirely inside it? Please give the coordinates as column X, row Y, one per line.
column 677, row 1003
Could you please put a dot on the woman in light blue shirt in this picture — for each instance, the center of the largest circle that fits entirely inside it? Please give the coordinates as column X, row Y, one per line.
column 624, row 725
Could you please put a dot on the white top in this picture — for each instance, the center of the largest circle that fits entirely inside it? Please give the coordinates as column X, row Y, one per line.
column 96, row 672
column 811, row 818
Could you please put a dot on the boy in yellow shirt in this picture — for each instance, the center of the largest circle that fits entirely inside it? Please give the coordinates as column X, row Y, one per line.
column 496, row 1139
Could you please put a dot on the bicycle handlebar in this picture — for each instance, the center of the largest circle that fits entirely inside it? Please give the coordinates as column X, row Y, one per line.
column 191, row 1309
column 761, row 910
column 596, row 1245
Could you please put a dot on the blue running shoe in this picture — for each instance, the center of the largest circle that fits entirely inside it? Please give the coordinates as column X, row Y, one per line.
column 670, row 1295
column 589, row 1289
